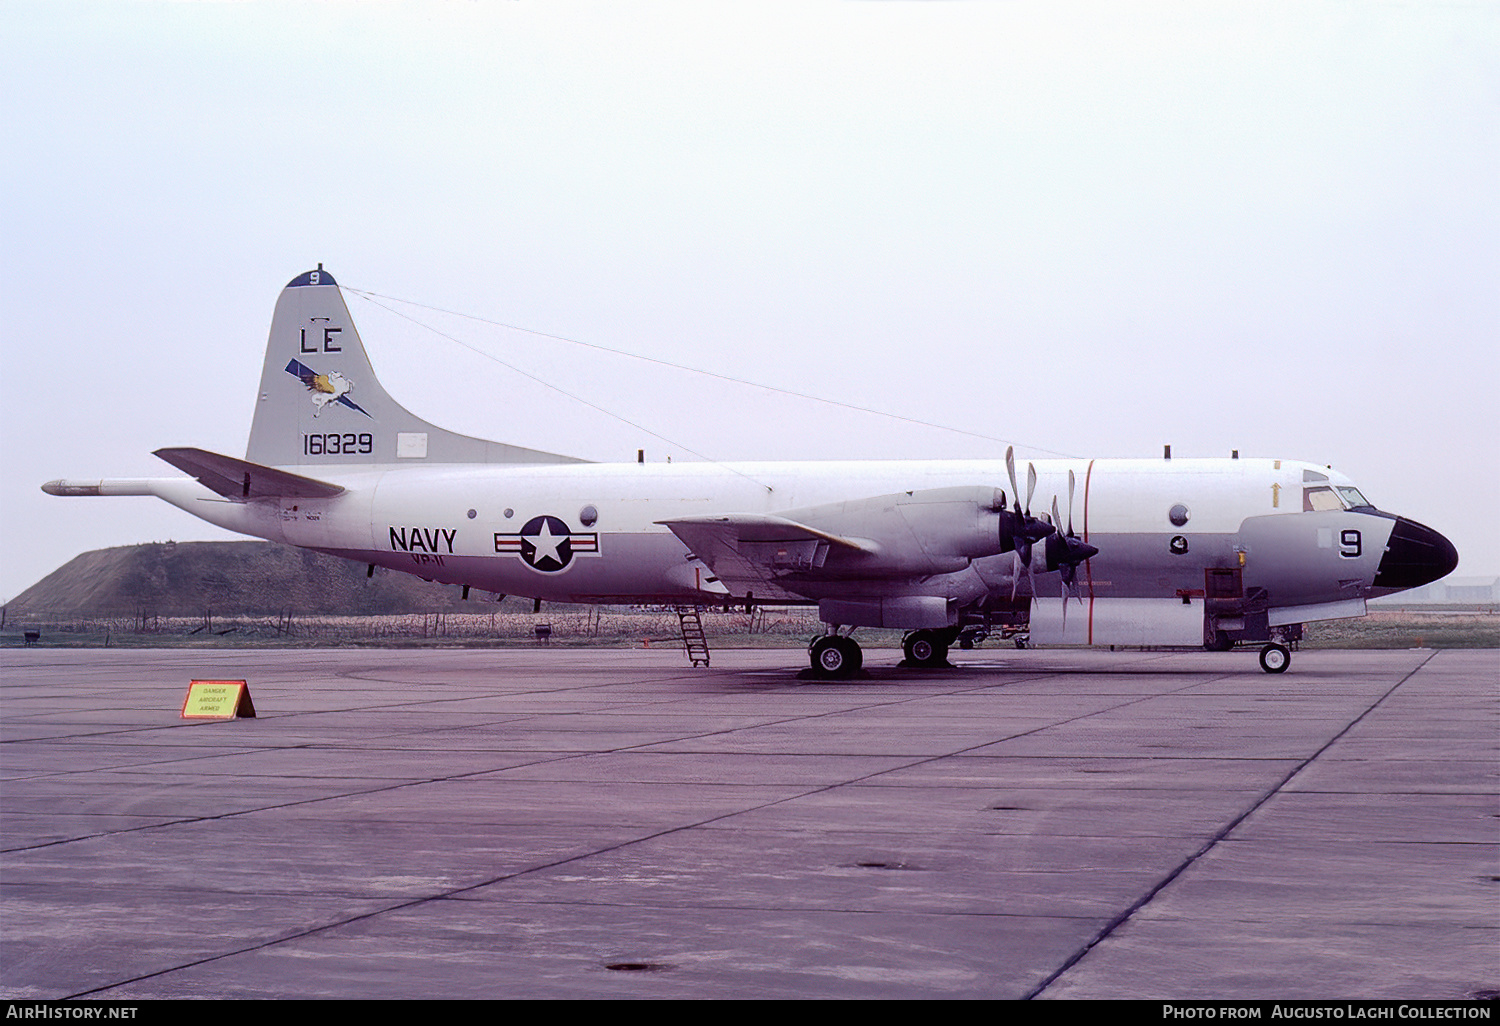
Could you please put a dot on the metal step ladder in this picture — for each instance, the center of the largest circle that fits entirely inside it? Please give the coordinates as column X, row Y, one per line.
column 694, row 642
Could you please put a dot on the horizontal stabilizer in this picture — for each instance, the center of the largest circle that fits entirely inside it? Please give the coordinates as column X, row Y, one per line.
column 240, row 479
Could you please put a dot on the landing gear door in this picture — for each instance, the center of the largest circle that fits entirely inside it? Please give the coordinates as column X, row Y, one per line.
column 1228, row 616
column 1223, row 605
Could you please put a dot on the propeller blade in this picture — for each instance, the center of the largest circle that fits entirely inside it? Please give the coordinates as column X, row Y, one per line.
column 1010, row 468
column 1070, row 503
column 1030, row 485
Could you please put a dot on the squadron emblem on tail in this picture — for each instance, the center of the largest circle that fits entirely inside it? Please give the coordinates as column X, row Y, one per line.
column 332, row 387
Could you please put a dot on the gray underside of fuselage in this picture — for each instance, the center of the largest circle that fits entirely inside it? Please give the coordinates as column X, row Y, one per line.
column 656, row 567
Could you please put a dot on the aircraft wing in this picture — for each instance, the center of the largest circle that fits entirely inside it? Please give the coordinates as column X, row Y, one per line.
column 750, row 551
column 239, row 479
column 902, row 537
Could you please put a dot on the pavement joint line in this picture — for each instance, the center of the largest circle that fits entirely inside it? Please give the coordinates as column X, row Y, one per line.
column 1145, row 899
column 143, row 765
column 831, row 910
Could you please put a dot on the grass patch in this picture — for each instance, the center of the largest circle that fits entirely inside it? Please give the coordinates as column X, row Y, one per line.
column 1406, row 629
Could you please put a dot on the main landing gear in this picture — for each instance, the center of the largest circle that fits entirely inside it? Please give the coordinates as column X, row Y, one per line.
column 835, row 656
column 838, row 656
column 928, row 648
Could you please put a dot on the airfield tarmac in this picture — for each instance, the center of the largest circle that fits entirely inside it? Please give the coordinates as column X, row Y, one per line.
column 590, row 823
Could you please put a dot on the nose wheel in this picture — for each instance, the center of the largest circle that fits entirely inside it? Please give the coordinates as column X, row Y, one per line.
column 1275, row 658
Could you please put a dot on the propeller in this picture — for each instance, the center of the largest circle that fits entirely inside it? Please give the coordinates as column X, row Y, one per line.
column 1066, row 551
column 1020, row 530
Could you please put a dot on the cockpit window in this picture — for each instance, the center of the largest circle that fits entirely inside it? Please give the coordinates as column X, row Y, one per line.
column 1320, row 499
column 1352, row 497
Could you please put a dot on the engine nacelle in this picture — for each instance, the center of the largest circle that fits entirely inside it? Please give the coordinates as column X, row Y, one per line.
column 925, row 531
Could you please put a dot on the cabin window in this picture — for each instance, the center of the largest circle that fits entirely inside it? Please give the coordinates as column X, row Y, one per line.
column 1320, row 499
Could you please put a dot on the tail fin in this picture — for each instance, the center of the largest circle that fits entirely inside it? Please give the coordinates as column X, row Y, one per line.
column 320, row 404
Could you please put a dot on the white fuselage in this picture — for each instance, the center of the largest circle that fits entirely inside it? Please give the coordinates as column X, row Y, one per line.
column 464, row 524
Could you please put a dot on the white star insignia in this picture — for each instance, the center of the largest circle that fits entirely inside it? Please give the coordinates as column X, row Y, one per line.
column 547, row 544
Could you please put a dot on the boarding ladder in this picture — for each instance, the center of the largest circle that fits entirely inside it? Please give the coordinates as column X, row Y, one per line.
column 693, row 640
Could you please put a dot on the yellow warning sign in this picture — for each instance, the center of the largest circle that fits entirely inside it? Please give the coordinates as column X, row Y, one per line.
column 217, row 700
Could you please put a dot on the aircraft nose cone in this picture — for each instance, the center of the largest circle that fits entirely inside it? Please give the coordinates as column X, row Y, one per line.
column 1414, row 556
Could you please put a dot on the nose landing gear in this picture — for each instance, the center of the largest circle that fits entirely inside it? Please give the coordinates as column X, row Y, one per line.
column 1275, row 658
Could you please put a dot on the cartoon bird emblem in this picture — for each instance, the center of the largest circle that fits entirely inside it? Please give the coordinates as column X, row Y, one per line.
column 332, row 387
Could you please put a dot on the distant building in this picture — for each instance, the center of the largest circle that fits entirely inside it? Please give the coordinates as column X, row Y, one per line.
column 1467, row 591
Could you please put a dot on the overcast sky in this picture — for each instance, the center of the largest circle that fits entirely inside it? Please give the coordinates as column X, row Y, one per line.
column 1088, row 228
